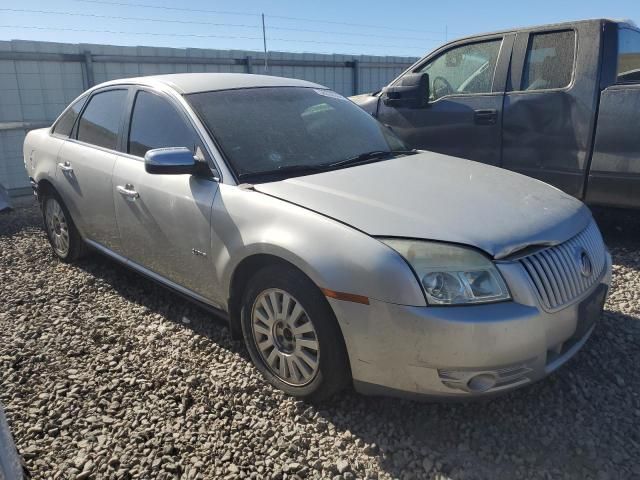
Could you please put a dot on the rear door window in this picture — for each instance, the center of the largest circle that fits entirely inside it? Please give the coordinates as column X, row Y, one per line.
column 628, row 55
column 155, row 123
column 549, row 60
column 100, row 121
column 65, row 124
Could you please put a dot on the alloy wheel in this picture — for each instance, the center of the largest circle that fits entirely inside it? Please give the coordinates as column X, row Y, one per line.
column 285, row 337
column 57, row 227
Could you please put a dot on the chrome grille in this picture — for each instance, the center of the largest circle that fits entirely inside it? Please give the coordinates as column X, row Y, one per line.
column 558, row 272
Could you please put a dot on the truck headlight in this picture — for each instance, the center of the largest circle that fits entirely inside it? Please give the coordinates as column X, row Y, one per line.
column 451, row 274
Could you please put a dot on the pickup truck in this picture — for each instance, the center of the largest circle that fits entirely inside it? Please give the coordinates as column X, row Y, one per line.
column 560, row 103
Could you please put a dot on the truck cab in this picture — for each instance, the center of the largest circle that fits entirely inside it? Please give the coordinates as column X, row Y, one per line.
column 560, row 103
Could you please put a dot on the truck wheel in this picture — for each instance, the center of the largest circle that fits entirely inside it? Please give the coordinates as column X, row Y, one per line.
column 292, row 334
column 61, row 231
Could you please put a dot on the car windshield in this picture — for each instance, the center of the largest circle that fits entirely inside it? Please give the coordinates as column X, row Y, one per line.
column 287, row 131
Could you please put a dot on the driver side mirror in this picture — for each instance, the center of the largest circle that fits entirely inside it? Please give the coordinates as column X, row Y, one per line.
column 170, row 161
column 412, row 91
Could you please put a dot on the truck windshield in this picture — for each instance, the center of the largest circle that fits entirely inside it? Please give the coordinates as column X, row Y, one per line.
column 288, row 131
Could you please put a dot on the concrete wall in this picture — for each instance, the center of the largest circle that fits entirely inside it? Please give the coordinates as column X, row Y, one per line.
column 38, row 79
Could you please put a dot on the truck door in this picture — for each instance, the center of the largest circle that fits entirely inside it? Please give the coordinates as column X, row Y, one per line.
column 614, row 177
column 463, row 117
column 550, row 105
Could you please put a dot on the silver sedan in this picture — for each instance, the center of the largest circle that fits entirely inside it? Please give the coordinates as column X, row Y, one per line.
column 339, row 254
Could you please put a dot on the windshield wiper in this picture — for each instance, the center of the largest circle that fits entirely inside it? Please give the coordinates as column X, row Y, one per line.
column 285, row 169
column 323, row 167
column 373, row 155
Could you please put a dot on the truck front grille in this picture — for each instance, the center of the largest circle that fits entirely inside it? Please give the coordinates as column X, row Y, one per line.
column 564, row 272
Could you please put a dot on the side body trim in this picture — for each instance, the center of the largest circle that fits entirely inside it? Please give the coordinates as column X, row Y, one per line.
column 185, row 292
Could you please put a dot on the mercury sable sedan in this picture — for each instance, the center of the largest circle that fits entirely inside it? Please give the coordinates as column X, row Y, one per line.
column 340, row 256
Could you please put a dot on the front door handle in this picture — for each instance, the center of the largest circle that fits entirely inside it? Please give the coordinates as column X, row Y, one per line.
column 128, row 192
column 487, row 116
column 66, row 167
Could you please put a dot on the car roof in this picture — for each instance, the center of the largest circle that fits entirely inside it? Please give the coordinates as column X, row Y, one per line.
column 558, row 25
column 186, row 83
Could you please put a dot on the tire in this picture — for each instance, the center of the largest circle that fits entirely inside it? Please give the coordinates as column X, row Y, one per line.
column 308, row 331
column 66, row 242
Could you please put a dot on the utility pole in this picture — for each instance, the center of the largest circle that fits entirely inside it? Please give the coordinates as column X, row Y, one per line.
column 264, row 42
column 446, row 33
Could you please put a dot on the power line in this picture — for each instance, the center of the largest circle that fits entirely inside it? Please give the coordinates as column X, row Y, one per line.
column 196, row 22
column 204, row 36
column 373, row 35
column 115, row 17
column 283, row 17
column 344, row 43
column 348, row 24
column 130, row 33
column 160, row 7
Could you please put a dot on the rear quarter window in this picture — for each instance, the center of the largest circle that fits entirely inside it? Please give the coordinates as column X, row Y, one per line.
column 65, row 124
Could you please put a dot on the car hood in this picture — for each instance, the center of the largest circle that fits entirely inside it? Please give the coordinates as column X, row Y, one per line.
column 437, row 197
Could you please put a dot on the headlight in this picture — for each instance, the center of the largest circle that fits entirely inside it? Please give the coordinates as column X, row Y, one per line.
column 451, row 274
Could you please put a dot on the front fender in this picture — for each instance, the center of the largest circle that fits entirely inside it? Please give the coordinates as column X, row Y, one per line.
column 368, row 102
column 331, row 254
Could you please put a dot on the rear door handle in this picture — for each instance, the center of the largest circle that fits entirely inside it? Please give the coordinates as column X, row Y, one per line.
column 66, row 167
column 486, row 116
column 128, row 192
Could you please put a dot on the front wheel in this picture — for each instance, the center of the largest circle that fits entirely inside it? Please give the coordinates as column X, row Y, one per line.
column 293, row 336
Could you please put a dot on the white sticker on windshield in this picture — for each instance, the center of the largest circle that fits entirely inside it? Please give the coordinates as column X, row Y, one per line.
column 329, row 93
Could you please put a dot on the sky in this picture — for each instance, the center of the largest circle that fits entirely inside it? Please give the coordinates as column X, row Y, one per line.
column 408, row 28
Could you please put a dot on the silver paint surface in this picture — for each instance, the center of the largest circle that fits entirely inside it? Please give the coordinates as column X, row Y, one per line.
column 10, row 466
column 170, row 219
column 437, row 197
column 325, row 225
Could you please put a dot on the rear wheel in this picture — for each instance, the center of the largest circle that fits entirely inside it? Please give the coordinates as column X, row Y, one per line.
column 292, row 334
column 61, row 231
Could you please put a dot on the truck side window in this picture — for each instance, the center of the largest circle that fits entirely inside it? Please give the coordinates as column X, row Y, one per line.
column 549, row 60
column 463, row 70
column 628, row 55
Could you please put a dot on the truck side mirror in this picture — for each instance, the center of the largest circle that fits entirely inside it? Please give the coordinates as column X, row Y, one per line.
column 411, row 91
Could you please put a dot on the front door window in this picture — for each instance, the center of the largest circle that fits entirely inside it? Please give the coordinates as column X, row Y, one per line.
column 463, row 70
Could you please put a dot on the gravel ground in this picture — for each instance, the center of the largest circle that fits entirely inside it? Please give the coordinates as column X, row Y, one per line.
column 103, row 374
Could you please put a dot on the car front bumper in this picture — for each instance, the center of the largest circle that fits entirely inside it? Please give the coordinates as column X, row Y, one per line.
column 464, row 351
